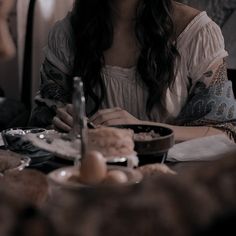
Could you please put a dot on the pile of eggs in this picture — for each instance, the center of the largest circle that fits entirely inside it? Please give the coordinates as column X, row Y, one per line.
column 93, row 171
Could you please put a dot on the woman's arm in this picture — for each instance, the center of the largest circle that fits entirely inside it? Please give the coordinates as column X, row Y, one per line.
column 211, row 102
column 184, row 133
column 116, row 116
column 210, row 109
column 56, row 74
column 194, row 121
column 55, row 93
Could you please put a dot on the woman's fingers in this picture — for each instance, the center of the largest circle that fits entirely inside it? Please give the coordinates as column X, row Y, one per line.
column 65, row 116
column 69, row 109
column 103, row 112
column 63, row 120
column 105, row 115
column 60, row 125
column 113, row 116
column 117, row 121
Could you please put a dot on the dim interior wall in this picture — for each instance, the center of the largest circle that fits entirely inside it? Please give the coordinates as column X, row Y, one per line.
column 229, row 32
column 224, row 14
column 45, row 15
column 22, row 8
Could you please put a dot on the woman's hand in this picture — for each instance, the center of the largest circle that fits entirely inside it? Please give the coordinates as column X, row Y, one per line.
column 63, row 120
column 113, row 116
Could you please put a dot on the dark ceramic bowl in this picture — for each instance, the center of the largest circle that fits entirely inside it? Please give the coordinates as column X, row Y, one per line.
column 13, row 139
column 154, row 149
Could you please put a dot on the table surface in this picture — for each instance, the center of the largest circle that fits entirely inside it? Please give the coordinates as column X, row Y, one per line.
column 57, row 162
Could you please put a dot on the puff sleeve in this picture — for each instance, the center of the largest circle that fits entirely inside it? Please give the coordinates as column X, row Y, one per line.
column 56, row 74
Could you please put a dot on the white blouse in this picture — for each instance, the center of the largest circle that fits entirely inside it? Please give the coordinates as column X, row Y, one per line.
column 200, row 46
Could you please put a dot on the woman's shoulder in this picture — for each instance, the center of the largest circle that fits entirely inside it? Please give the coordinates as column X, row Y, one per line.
column 61, row 29
column 182, row 16
column 60, row 48
column 193, row 25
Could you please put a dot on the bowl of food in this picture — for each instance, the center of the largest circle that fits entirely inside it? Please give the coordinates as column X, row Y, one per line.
column 14, row 140
column 152, row 142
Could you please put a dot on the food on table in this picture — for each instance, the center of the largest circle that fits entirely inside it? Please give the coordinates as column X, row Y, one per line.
column 156, row 169
column 22, row 131
column 115, row 177
column 56, row 143
column 93, row 171
column 14, row 140
column 93, row 168
column 16, row 132
column 111, row 141
column 146, row 136
column 9, row 160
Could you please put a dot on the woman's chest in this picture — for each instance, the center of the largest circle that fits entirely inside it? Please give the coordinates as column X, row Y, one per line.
column 124, row 51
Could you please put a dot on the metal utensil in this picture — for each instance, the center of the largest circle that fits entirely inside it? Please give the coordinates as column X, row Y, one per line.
column 91, row 125
column 79, row 115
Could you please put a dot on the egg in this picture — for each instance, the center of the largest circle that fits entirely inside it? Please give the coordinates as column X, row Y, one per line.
column 93, row 168
column 115, row 177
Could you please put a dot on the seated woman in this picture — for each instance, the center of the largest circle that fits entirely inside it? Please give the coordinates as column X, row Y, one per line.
column 141, row 61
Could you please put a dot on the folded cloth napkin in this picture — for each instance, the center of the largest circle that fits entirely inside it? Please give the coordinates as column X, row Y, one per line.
column 202, row 149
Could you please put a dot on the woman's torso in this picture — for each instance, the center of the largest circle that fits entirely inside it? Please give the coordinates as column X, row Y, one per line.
column 123, row 86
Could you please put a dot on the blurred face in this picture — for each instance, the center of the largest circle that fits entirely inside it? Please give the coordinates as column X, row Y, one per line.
column 7, row 47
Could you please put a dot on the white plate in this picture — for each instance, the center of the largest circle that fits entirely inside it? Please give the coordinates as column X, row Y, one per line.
column 62, row 177
column 61, row 146
column 56, row 143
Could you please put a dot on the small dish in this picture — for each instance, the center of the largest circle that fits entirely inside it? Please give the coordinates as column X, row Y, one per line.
column 63, row 177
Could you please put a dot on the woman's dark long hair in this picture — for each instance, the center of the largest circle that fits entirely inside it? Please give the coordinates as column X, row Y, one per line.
column 93, row 27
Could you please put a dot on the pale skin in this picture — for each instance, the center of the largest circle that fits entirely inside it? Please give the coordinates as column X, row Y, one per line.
column 7, row 47
column 124, row 53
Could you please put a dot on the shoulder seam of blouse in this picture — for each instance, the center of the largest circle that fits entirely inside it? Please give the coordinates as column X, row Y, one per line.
column 197, row 22
column 50, row 54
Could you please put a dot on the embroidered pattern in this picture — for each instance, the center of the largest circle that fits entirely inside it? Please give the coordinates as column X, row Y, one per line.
column 55, row 84
column 221, row 109
column 55, row 87
column 231, row 113
column 229, row 92
column 212, row 106
column 220, row 75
